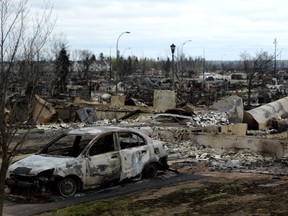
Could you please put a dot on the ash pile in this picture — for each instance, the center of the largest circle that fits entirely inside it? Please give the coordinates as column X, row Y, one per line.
column 198, row 158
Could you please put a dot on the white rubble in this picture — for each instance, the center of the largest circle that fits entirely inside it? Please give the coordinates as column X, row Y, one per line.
column 187, row 152
column 209, row 119
column 181, row 151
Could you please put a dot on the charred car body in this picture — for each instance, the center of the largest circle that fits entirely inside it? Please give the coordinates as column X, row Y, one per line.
column 86, row 158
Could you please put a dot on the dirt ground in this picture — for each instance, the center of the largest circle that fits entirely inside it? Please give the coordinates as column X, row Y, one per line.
column 219, row 193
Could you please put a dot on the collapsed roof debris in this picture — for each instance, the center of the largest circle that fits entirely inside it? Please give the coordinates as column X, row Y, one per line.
column 233, row 106
column 260, row 116
column 42, row 111
column 228, row 110
column 244, row 160
column 191, row 151
column 209, row 119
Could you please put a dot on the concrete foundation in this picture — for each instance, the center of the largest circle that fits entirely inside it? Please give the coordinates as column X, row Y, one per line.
column 234, row 129
column 271, row 147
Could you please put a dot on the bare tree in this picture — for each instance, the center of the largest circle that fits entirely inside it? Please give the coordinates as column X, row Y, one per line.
column 166, row 66
column 22, row 35
column 260, row 64
column 55, row 44
column 182, row 65
column 33, row 44
column 125, row 68
column 84, row 60
column 196, row 64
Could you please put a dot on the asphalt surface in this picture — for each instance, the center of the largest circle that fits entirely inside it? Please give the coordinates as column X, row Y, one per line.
column 15, row 208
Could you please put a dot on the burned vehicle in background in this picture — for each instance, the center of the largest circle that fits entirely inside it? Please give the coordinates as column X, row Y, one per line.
column 85, row 158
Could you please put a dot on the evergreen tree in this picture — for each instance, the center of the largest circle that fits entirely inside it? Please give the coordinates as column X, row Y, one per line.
column 62, row 65
column 101, row 56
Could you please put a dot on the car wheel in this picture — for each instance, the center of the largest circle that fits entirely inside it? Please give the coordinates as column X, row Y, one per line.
column 67, row 187
column 150, row 171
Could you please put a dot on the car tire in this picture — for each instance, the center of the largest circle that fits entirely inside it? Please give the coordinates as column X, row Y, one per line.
column 150, row 171
column 67, row 187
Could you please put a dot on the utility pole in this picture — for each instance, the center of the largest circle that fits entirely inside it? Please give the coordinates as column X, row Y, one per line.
column 173, row 70
column 110, row 64
column 275, row 50
column 117, row 59
column 203, row 65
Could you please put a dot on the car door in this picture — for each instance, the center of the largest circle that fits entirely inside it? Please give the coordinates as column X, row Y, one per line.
column 103, row 161
column 134, row 153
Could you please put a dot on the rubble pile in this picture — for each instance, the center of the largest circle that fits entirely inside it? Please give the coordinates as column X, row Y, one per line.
column 209, row 119
column 190, row 150
column 56, row 126
column 183, row 153
column 191, row 154
column 198, row 120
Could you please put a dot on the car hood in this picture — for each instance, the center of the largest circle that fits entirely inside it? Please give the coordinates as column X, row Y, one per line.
column 35, row 164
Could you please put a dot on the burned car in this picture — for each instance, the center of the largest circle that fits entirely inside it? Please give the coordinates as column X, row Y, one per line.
column 85, row 158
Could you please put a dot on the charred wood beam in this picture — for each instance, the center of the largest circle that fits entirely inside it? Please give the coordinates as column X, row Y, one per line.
column 130, row 114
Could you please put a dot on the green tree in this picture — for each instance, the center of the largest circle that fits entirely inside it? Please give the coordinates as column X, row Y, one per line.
column 101, row 57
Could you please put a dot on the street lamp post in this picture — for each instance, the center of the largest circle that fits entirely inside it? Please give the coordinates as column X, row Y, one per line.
column 222, row 62
column 117, row 59
column 181, row 55
column 181, row 47
column 125, row 51
column 173, row 71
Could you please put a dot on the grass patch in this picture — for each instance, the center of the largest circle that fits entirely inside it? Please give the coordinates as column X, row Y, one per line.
column 207, row 198
column 99, row 207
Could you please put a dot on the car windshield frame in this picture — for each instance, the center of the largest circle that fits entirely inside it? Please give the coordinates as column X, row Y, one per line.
column 67, row 145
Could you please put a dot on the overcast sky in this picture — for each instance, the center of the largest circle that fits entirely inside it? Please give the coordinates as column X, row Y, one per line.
column 218, row 29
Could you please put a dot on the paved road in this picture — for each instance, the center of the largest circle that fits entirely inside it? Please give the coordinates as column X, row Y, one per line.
column 28, row 209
